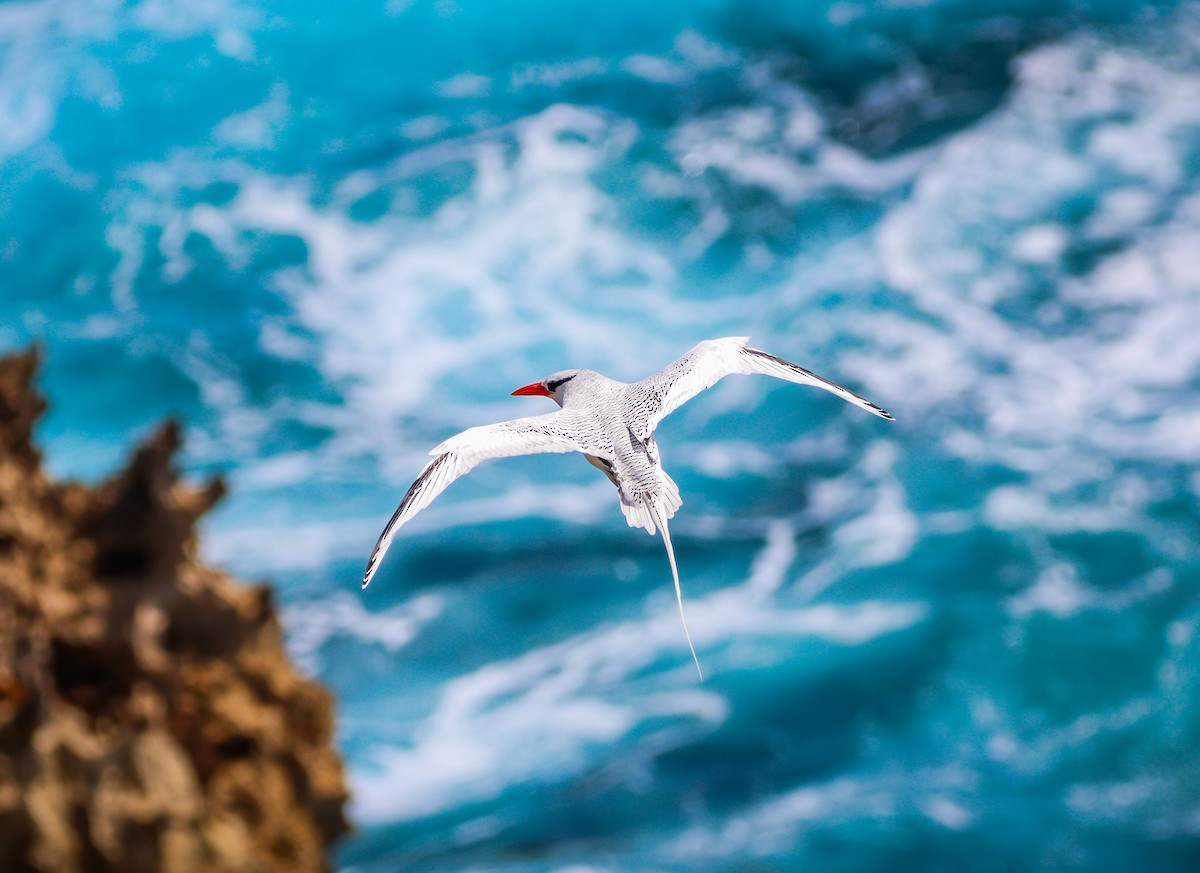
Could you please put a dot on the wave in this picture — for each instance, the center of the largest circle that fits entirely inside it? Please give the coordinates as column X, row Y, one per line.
column 548, row 714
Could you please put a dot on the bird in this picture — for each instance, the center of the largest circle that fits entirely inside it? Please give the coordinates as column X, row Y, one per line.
column 612, row 425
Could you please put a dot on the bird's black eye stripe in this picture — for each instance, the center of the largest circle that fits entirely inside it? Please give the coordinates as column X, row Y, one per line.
column 558, row 383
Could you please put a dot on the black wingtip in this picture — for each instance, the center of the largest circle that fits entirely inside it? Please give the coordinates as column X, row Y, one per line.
column 883, row 413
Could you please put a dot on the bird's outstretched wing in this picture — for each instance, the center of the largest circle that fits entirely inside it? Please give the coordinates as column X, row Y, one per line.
column 461, row 453
column 709, row 361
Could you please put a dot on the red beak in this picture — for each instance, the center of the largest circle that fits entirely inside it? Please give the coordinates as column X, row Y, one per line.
column 537, row 389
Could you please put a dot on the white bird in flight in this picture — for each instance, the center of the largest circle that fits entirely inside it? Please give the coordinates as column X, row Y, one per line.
column 612, row 424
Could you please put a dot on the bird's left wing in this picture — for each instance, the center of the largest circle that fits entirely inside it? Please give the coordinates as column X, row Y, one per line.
column 461, row 453
column 711, row 360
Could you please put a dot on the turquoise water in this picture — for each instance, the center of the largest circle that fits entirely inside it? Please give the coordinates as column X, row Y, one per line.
column 329, row 236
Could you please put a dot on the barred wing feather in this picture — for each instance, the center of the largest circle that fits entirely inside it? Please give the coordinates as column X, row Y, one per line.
column 462, row 453
column 710, row 361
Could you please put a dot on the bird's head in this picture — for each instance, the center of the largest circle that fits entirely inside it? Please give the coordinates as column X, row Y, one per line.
column 556, row 386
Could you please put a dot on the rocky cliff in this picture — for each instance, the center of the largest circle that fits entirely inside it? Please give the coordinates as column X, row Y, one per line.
column 150, row 719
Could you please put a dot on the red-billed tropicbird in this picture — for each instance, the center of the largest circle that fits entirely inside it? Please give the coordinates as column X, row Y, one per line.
column 611, row 423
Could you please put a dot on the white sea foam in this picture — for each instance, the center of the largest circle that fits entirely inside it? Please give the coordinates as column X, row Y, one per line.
column 887, row 531
column 35, row 40
column 781, row 824
column 373, row 299
column 1040, row 244
column 257, row 127
column 220, row 17
column 724, row 459
column 1031, row 749
column 282, row 544
column 465, row 85
column 541, row 717
column 947, row 812
column 1102, row 379
column 48, row 51
column 285, row 544
column 1053, row 401
column 691, row 53
column 553, row 75
column 1112, row 801
column 311, row 625
column 1058, row 591
column 783, row 149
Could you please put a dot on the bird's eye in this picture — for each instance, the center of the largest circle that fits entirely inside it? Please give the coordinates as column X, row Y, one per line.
column 557, row 383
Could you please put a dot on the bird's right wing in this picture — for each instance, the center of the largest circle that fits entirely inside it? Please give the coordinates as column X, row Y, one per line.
column 461, row 453
column 711, row 360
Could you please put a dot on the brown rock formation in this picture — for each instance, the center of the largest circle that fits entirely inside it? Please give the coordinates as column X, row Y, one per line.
column 150, row 719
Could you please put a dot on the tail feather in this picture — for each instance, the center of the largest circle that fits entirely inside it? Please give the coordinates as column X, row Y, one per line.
column 640, row 512
column 661, row 519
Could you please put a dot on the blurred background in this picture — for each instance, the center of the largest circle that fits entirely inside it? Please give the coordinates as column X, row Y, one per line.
column 331, row 235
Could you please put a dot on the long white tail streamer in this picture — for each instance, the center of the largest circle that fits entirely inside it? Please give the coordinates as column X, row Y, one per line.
column 666, row 534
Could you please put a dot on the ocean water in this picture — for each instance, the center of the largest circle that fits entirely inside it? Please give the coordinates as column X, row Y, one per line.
column 328, row 236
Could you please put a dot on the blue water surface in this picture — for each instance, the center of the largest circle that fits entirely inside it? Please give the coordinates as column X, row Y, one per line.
column 328, row 236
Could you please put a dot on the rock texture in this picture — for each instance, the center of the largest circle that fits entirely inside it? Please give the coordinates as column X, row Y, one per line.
column 150, row 719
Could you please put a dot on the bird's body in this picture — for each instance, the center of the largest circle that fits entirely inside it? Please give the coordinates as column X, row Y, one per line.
column 612, row 424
